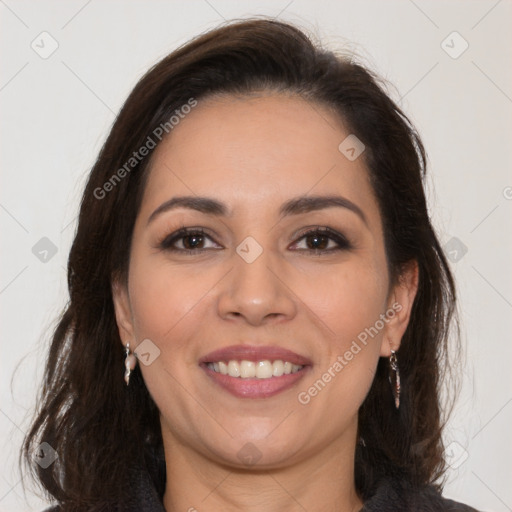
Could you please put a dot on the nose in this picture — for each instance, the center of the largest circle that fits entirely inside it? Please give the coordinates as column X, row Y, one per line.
column 256, row 292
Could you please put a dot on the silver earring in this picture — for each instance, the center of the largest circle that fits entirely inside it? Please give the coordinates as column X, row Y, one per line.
column 129, row 363
column 394, row 378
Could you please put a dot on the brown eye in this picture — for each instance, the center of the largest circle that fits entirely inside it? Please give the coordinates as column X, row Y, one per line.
column 323, row 240
column 316, row 241
column 194, row 241
column 186, row 240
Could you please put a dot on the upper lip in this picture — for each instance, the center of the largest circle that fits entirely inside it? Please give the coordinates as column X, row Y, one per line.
column 254, row 353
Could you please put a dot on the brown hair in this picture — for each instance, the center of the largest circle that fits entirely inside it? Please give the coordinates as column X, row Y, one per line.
column 101, row 429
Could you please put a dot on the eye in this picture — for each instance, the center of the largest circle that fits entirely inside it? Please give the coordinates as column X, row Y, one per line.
column 322, row 240
column 188, row 240
column 192, row 241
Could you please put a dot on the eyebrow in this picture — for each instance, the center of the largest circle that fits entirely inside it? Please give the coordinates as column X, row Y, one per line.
column 295, row 206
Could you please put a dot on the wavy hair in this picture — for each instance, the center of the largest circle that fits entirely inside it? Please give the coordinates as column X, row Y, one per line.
column 99, row 428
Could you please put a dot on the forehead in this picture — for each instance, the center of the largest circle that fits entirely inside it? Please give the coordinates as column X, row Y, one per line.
column 253, row 151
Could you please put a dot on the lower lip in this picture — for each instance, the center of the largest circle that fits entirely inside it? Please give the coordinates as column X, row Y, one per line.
column 255, row 388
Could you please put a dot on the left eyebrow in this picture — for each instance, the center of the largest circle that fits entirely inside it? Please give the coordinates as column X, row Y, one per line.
column 295, row 206
column 305, row 204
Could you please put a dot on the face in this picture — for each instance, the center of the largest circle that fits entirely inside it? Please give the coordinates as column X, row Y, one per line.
column 254, row 279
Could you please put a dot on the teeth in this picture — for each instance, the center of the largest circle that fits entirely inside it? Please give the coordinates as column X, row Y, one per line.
column 233, row 369
column 278, row 368
column 247, row 369
column 259, row 370
column 264, row 369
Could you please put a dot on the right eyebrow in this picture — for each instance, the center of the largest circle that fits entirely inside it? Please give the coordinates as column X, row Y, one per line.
column 205, row 205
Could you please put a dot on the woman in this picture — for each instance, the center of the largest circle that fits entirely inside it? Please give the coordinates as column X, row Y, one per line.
column 259, row 305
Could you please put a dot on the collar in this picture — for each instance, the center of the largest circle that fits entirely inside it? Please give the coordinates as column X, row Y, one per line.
column 391, row 495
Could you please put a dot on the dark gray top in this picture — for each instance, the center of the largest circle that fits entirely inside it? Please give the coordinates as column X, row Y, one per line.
column 391, row 495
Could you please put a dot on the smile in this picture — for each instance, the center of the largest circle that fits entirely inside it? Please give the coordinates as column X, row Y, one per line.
column 259, row 369
column 255, row 371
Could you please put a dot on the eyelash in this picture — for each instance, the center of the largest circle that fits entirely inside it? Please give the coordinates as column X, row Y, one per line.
column 343, row 244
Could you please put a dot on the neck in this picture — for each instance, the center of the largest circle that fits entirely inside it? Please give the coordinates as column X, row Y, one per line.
column 324, row 481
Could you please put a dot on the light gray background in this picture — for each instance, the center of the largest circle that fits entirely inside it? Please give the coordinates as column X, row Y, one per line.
column 56, row 112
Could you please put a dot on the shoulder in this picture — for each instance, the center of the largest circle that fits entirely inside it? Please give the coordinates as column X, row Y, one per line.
column 433, row 501
column 111, row 507
column 143, row 497
column 394, row 495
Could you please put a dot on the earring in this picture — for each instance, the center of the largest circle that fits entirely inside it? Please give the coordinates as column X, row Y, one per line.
column 129, row 363
column 394, row 378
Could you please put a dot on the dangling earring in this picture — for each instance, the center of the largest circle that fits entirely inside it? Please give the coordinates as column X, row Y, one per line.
column 394, row 378
column 129, row 363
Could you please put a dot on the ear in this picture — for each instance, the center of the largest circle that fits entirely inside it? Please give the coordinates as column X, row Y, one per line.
column 123, row 311
column 400, row 302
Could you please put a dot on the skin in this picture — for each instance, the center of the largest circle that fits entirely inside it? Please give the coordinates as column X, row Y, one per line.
column 253, row 154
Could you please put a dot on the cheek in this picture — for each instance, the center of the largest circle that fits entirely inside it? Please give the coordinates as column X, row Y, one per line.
column 346, row 299
column 168, row 302
column 159, row 298
column 349, row 305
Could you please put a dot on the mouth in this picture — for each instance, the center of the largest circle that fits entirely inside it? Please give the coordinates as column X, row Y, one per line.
column 254, row 371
